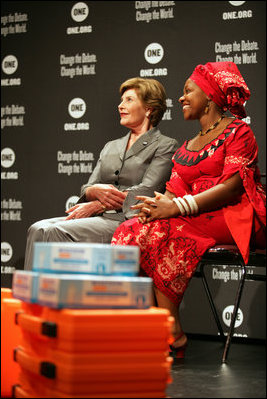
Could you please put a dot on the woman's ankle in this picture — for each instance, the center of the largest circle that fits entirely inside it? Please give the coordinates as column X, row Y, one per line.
column 180, row 339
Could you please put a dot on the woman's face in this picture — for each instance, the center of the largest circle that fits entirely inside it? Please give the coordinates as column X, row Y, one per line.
column 194, row 100
column 132, row 111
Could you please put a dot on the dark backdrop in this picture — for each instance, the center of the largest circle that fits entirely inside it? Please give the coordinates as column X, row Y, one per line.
column 57, row 55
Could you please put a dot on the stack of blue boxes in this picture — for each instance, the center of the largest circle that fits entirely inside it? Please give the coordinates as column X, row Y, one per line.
column 82, row 275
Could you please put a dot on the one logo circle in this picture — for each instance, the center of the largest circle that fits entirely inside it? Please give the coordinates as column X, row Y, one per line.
column 7, row 157
column 77, row 108
column 71, row 201
column 79, row 12
column 154, row 53
column 9, row 64
column 6, row 252
column 227, row 315
column 236, row 3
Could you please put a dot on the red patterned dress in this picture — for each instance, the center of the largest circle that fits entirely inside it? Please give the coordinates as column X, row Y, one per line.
column 171, row 248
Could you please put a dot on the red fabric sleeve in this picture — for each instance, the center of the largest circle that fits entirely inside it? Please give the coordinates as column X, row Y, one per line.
column 241, row 157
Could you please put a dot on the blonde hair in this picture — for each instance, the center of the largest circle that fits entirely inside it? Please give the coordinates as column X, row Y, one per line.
column 152, row 94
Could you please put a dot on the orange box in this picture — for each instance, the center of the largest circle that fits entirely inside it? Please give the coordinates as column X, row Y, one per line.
column 20, row 392
column 63, row 359
column 92, row 378
column 29, row 382
column 6, row 293
column 130, row 369
column 86, row 330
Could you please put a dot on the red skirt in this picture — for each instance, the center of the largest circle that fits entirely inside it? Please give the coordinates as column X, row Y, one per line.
column 170, row 249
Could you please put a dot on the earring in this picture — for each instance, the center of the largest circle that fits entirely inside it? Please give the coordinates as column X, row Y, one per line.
column 207, row 107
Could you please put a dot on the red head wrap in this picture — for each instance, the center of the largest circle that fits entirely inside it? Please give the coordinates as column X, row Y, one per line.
column 223, row 84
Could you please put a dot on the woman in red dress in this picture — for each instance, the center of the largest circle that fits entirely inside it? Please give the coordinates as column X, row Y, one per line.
column 214, row 194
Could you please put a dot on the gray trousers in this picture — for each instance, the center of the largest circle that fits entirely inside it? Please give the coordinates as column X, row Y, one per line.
column 96, row 229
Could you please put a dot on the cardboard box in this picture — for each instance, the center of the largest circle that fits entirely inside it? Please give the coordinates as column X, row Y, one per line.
column 25, row 285
column 102, row 259
column 98, row 292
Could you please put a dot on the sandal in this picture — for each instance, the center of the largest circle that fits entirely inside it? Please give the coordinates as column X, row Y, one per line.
column 179, row 351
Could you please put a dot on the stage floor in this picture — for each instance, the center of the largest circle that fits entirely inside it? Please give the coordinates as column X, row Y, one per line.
column 202, row 375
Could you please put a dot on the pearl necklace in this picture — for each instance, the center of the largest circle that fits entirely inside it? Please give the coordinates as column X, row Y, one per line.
column 211, row 127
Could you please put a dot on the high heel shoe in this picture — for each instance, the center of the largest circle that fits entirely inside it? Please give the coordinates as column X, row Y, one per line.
column 178, row 352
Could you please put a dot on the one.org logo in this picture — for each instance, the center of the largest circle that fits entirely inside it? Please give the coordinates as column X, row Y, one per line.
column 77, row 108
column 154, row 53
column 227, row 315
column 7, row 157
column 6, row 252
column 79, row 12
column 237, row 3
column 9, row 64
column 71, row 201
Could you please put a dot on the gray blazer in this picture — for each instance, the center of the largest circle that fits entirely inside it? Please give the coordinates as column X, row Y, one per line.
column 141, row 170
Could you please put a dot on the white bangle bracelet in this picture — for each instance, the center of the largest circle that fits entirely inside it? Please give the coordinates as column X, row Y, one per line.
column 185, row 205
column 181, row 209
column 192, row 203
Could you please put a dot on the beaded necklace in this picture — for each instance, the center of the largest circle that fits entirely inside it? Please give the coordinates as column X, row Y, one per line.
column 211, row 127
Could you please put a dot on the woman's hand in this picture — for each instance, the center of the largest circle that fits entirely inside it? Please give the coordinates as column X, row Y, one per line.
column 109, row 196
column 159, row 207
column 85, row 210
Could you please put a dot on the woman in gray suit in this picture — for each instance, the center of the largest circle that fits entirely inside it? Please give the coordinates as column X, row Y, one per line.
column 137, row 164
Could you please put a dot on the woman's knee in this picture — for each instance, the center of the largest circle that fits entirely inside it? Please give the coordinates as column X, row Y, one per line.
column 37, row 230
column 58, row 232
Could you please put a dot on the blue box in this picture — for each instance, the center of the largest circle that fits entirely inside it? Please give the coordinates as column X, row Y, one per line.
column 99, row 259
column 90, row 291
column 25, row 285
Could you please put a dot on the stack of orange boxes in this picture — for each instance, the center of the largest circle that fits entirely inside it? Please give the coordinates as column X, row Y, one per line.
column 10, row 336
column 92, row 352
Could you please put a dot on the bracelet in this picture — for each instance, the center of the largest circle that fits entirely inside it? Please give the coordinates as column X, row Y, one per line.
column 180, row 206
column 192, row 203
column 185, row 205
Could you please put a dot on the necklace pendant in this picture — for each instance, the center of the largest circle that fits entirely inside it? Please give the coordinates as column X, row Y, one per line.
column 211, row 127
